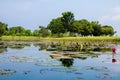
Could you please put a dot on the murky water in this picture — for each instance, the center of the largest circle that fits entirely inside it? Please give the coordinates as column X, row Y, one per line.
column 31, row 63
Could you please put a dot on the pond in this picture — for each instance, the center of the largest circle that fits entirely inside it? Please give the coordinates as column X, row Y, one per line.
column 30, row 62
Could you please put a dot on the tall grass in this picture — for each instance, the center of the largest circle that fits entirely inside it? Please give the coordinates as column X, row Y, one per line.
column 99, row 38
column 64, row 39
column 19, row 38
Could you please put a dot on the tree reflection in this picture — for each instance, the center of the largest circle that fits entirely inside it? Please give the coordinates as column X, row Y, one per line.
column 3, row 48
column 67, row 62
column 18, row 45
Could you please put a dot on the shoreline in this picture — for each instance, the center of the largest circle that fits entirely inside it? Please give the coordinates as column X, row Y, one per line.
column 50, row 39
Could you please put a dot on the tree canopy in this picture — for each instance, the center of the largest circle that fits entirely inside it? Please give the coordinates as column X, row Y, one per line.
column 62, row 25
column 81, row 27
column 3, row 28
column 56, row 26
column 67, row 20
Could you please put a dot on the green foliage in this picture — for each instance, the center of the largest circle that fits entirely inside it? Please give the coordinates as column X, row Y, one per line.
column 87, row 27
column 62, row 26
column 3, row 28
column 19, row 31
column 56, row 26
column 82, row 27
column 28, row 32
column 67, row 20
column 44, row 31
column 107, row 30
column 20, row 38
column 36, row 33
column 96, row 28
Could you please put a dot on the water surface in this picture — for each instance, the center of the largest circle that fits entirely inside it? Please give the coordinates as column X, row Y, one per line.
column 31, row 63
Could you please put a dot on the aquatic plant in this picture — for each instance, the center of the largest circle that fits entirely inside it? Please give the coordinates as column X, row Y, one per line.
column 6, row 72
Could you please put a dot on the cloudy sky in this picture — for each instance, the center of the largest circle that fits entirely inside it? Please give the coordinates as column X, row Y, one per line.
column 33, row 13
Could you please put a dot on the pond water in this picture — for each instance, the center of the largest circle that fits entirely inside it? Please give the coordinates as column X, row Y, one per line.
column 31, row 63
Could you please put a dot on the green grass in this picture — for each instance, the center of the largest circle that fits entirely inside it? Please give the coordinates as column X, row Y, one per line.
column 100, row 38
column 82, row 39
column 19, row 38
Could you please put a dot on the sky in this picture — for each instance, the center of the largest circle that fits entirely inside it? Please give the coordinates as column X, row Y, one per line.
column 34, row 13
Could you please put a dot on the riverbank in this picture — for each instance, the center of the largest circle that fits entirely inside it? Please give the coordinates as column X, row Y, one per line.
column 50, row 39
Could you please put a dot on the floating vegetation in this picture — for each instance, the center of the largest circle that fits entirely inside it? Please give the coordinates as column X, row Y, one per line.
column 3, row 50
column 51, row 48
column 17, row 45
column 66, row 69
column 42, row 71
column 26, row 72
column 79, row 78
column 27, row 59
column 104, row 76
column 83, row 46
column 49, row 63
column 70, row 55
column 99, row 69
column 6, row 72
column 75, row 68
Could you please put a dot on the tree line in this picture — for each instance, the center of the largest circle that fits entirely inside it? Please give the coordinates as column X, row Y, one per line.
column 61, row 26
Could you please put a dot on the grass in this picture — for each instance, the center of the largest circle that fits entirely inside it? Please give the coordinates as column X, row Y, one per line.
column 99, row 38
column 19, row 38
column 32, row 38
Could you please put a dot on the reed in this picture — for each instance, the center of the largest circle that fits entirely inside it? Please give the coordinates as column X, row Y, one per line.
column 19, row 38
column 63, row 39
column 82, row 39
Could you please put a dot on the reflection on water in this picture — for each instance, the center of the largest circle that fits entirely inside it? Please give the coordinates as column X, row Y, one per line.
column 3, row 47
column 67, row 62
column 31, row 61
column 6, row 72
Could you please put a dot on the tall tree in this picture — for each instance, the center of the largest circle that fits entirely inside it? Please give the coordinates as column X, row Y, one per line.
column 28, row 32
column 56, row 26
column 77, row 27
column 107, row 30
column 96, row 28
column 17, row 30
column 3, row 28
column 86, row 27
column 36, row 32
column 67, row 20
column 44, row 31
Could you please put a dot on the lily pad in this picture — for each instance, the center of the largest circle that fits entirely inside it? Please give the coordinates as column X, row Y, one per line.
column 6, row 72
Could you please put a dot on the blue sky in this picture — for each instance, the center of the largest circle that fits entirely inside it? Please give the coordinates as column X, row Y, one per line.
column 34, row 13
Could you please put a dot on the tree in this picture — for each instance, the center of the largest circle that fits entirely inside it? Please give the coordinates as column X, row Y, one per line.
column 18, row 31
column 28, row 32
column 82, row 27
column 56, row 26
column 67, row 21
column 44, row 31
column 3, row 28
column 77, row 27
column 96, row 28
column 36, row 33
column 107, row 30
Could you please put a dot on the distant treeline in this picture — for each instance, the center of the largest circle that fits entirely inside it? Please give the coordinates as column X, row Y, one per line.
column 66, row 25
